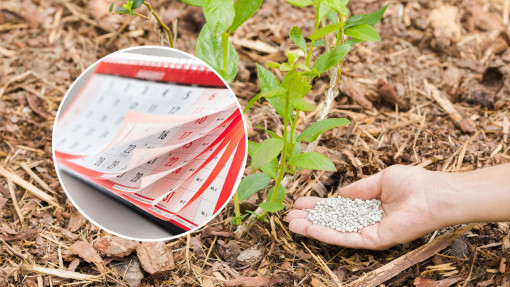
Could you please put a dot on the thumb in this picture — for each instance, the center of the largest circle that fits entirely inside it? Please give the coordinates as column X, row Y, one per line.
column 367, row 188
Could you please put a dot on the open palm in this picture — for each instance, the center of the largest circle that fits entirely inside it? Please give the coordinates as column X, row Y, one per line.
column 406, row 202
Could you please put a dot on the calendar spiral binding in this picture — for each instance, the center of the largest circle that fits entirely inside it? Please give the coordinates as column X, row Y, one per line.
column 158, row 62
column 158, row 68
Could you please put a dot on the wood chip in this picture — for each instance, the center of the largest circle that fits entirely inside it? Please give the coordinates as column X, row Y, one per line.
column 89, row 254
column 23, row 235
column 130, row 271
column 392, row 269
column 76, row 221
column 250, row 256
column 423, row 282
column 110, row 245
column 466, row 124
column 156, row 258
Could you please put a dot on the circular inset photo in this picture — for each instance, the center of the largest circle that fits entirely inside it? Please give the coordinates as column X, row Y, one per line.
column 149, row 143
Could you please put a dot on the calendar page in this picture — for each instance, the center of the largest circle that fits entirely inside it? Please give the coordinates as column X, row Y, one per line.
column 163, row 134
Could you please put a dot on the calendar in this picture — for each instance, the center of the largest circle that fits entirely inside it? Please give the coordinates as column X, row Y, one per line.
column 164, row 136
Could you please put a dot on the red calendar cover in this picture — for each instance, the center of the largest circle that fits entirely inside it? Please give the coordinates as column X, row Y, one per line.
column 162, row 135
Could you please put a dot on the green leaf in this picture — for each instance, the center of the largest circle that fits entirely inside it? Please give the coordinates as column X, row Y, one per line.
column 111, row 8
column 271, row 168
column 339, row 6
column 209, row 49
column 252, row 147
column 292, row 58
column 277, row 104
column 363, row 32
column 302, row 67
column 272, row 206
column 324, row 31
column 274, row 93
column 273, row 65
column 296, row 85
column 300, row 3
column 370, row 19
column 268, row 81
column 272, row 134
column 285, row 67
column 302, row 105
column 297, row 149
column 280, row 196
column 312, row 160
column 136, row 4
column 319, row 43
column 192, row 2
column 332, row 16
column 290, row 148
column 323, row 11
column 267, row 151
column 330, row 59
column 238, row 219
column 219, row 14
column 314, row 73
column 352, row 42
column 128, row 5
column 122, row 10
column 251, row 184
column 244, row 10
column 312, row 132
column 297, row 37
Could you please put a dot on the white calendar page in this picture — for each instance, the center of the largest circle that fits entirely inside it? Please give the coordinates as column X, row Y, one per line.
column 98, row 115
column 145, row 132
column 190, row 195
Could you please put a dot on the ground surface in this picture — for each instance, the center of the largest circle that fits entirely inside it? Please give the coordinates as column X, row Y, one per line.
column 458, row 47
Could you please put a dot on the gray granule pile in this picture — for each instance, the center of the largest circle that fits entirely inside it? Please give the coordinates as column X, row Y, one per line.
column 346, row 215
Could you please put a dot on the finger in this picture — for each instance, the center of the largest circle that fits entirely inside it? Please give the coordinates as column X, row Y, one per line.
column 331, row 236
column 299, row 226
column 364, row 189
column 295, row 214
column 307, row 202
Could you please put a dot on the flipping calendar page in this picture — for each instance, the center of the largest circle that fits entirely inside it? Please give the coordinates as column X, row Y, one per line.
column 162, row 135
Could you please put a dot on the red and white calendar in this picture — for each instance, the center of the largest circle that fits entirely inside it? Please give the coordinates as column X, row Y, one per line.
column 163, row 135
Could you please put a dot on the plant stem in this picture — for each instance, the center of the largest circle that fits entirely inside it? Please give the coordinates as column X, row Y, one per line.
column 334, row 73
column 165, row 27
column 224, row 44
column 237, row 209
column 251, row 103
column 292, row 132
column 340, row 35
column 315, row 28
column 283, row 159
column 141, row 15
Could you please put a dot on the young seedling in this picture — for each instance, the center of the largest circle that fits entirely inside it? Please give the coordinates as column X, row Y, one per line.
column 129, row 8
column 213, row 44
column 281, row 155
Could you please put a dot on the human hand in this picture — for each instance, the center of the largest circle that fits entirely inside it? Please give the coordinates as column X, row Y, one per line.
column 411, row 198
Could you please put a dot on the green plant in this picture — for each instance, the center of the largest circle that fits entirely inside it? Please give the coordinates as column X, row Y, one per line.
column 281, row 155
column 129, row 8
column 213, row 44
